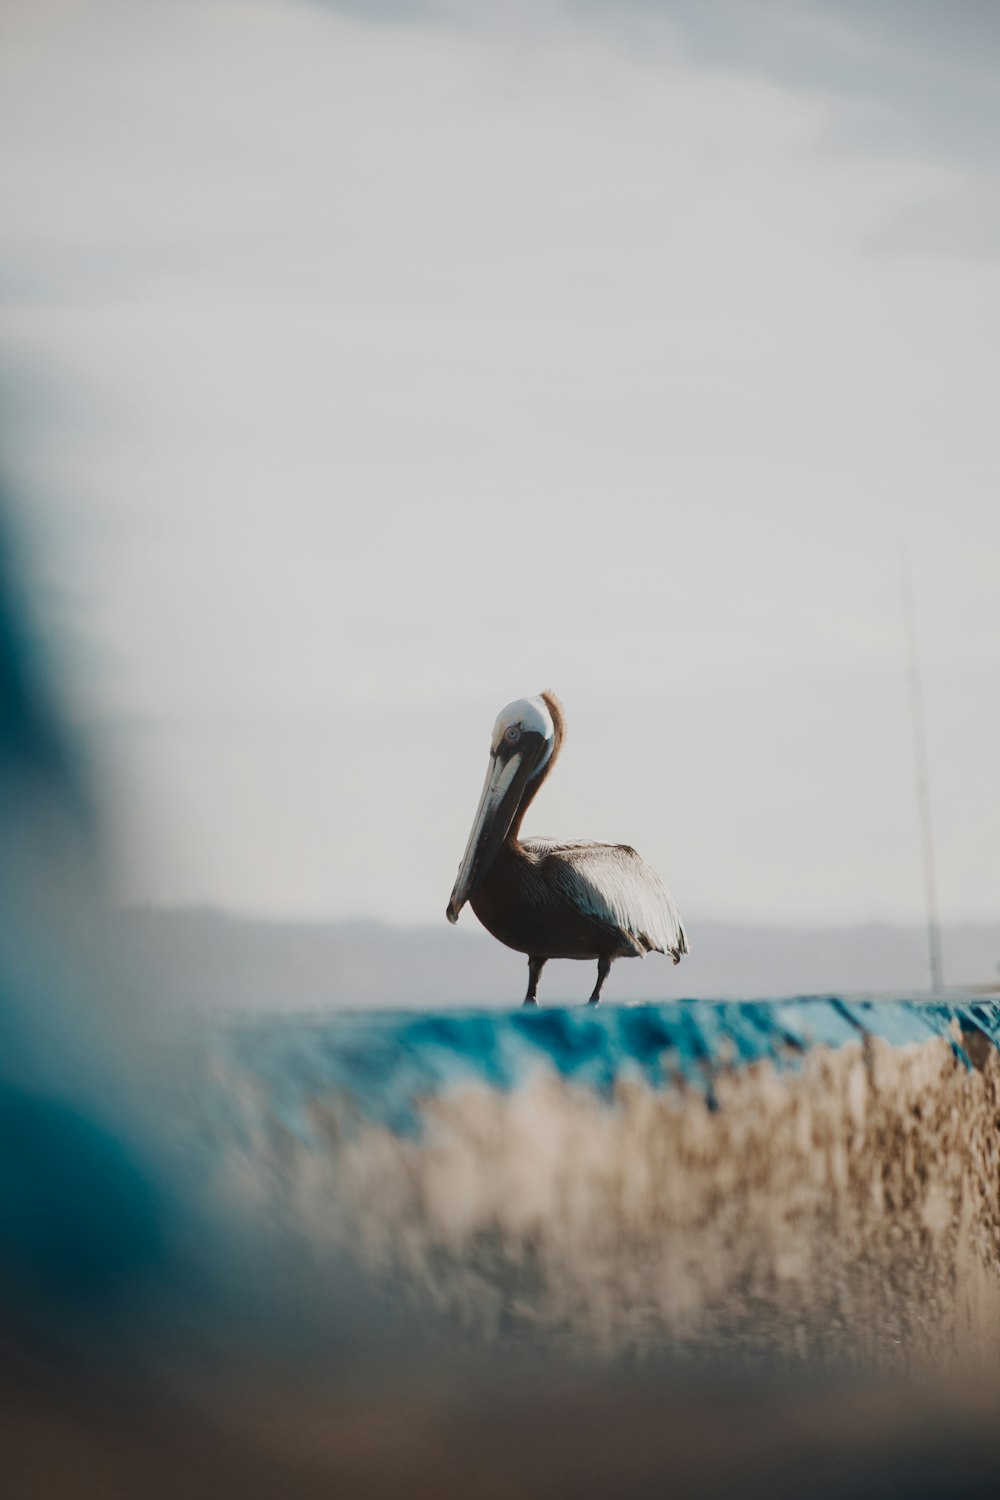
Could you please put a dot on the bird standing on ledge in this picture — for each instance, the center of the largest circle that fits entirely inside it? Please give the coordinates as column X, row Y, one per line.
column 549, row 899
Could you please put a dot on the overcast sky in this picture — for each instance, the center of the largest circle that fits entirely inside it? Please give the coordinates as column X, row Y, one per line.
column 369, row 365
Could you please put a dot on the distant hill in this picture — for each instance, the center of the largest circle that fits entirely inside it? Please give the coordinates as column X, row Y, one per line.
column 208, row 961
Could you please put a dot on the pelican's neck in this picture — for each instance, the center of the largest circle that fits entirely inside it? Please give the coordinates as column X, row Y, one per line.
column 531, row 789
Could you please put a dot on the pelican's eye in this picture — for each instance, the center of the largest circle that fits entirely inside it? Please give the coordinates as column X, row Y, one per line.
column 513, row 734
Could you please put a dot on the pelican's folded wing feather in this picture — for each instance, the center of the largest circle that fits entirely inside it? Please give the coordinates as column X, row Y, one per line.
column 614, row 885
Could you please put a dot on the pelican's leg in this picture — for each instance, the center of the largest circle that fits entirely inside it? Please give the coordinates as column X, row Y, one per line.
column 603, row 970
column 535, row 966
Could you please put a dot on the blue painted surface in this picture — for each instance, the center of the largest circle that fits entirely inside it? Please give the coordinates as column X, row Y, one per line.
column 379, row 1067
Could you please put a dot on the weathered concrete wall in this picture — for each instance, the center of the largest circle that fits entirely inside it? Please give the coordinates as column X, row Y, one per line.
column 845, row 1209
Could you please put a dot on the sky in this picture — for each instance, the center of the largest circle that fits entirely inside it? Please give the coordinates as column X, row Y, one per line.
column 367, row 366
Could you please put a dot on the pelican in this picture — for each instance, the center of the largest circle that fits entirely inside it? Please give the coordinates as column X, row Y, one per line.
column 548, row 899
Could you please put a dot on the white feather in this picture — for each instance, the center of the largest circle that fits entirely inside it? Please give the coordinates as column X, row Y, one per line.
column 613, row 884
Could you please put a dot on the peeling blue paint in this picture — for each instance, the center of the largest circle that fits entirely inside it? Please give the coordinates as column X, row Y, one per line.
column 379, row 1068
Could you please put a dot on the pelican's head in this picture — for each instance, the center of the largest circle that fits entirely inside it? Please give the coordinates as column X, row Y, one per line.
column 524, row 736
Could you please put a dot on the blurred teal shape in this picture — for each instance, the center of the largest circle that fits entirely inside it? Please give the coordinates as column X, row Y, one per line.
column 86, row 1204
column 80, row 1214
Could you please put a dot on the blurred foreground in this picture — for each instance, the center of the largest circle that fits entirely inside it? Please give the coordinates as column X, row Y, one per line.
column 419, row 1430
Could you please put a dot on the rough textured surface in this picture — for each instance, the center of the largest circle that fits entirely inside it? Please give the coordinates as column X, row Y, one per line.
column 843, row 1207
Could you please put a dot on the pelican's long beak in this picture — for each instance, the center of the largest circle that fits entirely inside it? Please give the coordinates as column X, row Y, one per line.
column 505, row 782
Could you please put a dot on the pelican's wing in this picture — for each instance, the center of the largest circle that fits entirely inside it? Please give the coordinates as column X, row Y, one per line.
column 611, row 882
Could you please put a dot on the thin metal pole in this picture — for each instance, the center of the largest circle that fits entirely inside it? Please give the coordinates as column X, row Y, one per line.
column 920, row 759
